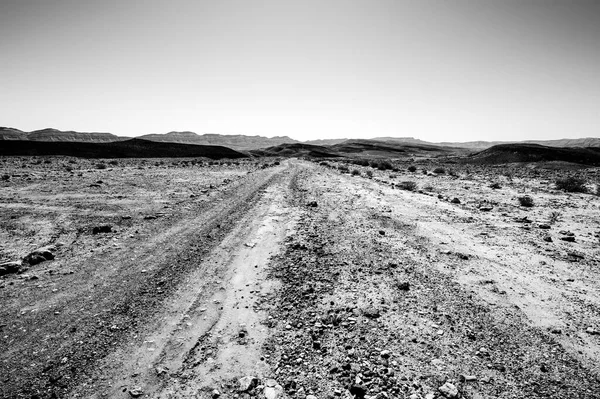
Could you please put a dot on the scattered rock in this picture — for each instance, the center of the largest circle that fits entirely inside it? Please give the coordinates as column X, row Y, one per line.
column 592, row 331
column 247, row 383
column 10, row 267
column 358, row 391
column 467, row 378
column 272, row 390
column 39, row 256
column 449, row 390
column 371, row 313
column 106, row 228
column 136, row 392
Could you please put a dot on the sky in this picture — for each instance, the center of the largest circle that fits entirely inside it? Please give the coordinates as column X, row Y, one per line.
column 447, row 70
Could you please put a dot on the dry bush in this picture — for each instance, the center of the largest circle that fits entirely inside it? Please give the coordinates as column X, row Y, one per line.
column 526, row 201
column 355, row 172
column 100, row 165
column 572, row 185
column 439, row 171
column 343, row 169
column 408, row 185
column 369, row 173
column 554, row 217
column 495, row 186
column 412, row 168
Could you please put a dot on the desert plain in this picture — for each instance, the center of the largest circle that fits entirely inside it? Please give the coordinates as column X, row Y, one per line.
column 299, row 278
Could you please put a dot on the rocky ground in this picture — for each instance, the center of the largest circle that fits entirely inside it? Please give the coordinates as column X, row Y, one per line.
column 299, row 280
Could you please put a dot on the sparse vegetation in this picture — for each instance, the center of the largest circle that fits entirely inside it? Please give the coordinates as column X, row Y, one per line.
column 554, row 217
column 100, row 165
column 572, row 185
column 369, row 173
column 355, row 172
column 343, row 168
column 526, row 201
column 408, row 185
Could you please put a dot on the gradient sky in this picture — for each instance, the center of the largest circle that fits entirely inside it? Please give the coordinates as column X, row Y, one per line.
column 446, row 70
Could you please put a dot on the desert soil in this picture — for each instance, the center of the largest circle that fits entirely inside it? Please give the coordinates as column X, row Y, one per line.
column 312, row 281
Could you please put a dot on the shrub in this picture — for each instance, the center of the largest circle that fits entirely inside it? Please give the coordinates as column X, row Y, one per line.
column 554, row 217
column 385, row 165
column 495, row 186
column 355, row 172
column 5, row 177
column 324, row 163
column 439, row 171
column 408, row 185
column 276, row 163
column 526, row 201
column 369, row 173
column 572, row 185
column 100, row 165
column 412, row 168
column 361, row 162
column 113, row 162
column 343, row 168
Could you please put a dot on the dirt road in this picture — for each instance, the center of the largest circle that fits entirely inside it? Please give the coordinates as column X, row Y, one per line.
column 313, row 281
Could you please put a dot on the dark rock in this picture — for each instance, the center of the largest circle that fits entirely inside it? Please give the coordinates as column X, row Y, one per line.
column 547, row 239
column 102, row 229
column 371, row 313
column 544, row 226
column 455, row 201
column 404, row 286
column 10, row 267
column 568, row 238
column 358, row 391
column 312, row 204
column 382, row 232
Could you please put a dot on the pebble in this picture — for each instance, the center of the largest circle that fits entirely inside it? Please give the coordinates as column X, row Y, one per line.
column 449, row 390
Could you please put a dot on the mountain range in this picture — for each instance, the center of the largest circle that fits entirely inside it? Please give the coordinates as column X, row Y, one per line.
column 240, row 142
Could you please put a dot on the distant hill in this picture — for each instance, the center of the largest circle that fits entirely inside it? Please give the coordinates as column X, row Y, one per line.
column 49, row 135
column 296, row 150
column 237, row 142
column 389, row 149
column 475, row 145
column 132, row 148
column 510, row 153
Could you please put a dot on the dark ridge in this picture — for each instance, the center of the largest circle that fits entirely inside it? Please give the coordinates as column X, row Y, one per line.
column 134, row 148
column 511, row 153
column 296, row 150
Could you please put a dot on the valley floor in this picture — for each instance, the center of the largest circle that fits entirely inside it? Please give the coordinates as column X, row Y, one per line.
column 313, row 281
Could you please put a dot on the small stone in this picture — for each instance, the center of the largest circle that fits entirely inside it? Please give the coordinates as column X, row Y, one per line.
column 247, row 383
column 358, row 391
column 273, row 392
column 467, row 378
column 215, row 393
column 311, row 397
column 592, row 331
column 102, row 229
column 448, row 390
column 404, row 286
column 136, row 392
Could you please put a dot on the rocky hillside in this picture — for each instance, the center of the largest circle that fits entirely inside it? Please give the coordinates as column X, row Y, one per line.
column 237, row 141
column 7, row 133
